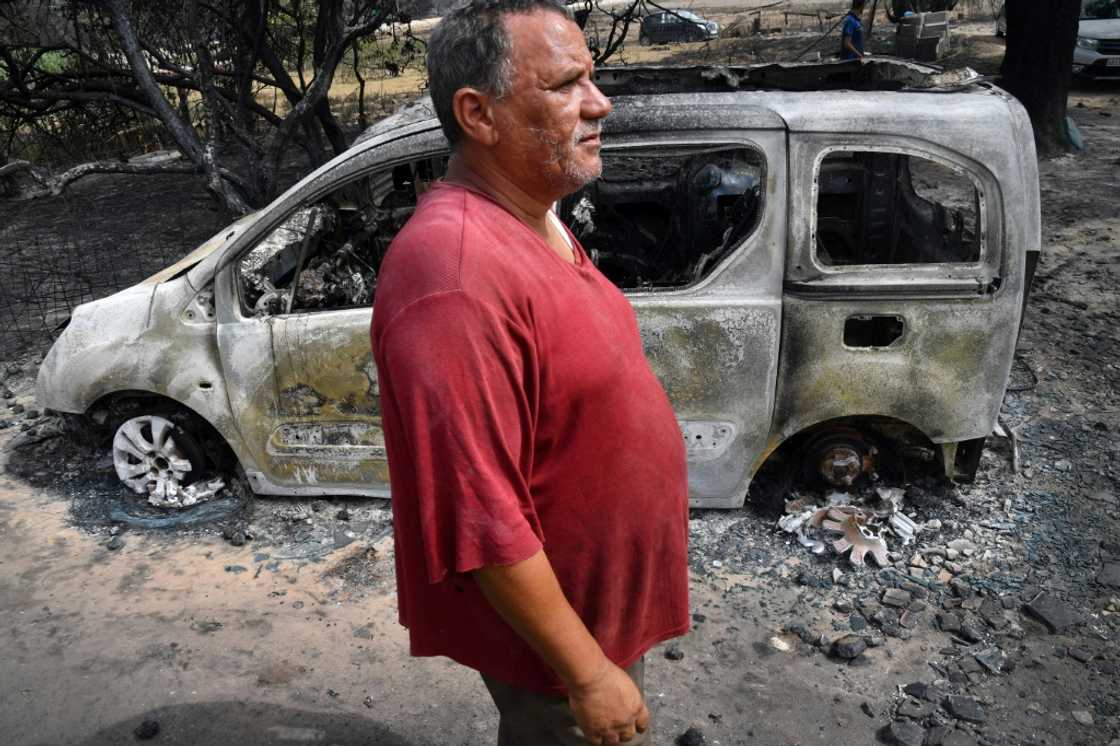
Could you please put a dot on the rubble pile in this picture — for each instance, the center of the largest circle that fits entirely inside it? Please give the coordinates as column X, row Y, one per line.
column 18, row 409
column 856, row 529
column 169, row 493
column 1002, row 580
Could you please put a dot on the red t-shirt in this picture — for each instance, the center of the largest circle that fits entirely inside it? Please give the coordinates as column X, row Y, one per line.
column 519, row 412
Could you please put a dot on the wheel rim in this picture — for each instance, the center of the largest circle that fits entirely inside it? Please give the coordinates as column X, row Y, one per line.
column 840, row 456
column 147, row 458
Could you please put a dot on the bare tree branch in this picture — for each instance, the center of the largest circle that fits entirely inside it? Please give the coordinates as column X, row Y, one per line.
column 196, row 69
column 54, row 185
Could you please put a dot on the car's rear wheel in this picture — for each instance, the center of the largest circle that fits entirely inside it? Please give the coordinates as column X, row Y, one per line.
column 157, row 453
column 644, row 40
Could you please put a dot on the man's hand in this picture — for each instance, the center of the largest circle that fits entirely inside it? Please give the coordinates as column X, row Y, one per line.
column 607, row 705
column 609, row 709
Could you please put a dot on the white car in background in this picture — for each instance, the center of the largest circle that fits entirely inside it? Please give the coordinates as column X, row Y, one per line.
column 1097, row 54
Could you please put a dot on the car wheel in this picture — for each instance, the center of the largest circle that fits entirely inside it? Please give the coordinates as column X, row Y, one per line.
column 157, row 453
column 644, row 40
column 838, row 457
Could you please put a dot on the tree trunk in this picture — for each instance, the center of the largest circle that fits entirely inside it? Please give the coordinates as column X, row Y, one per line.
column 1038, row 65
column 871, row 24
column 185, row 137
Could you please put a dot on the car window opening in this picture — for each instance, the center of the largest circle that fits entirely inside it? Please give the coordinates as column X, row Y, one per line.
column 891, row 208
column 335, row 246
column 656, row 220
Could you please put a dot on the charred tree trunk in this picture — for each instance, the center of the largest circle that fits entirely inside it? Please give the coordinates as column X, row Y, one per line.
column 871, row 24
column 1038, row 65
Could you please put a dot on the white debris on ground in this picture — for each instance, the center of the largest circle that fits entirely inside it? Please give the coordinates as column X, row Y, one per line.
column 853, row 525
column 167, row 493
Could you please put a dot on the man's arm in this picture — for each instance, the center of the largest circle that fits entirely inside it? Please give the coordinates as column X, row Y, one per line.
column 850, row 46
column 607, row 705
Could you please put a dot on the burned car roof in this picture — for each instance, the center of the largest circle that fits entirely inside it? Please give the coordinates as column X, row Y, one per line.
column 882, row 74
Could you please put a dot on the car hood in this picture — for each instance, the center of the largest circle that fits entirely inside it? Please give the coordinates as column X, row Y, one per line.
column 111, row 323
column 1101, row 28
column 208, row 247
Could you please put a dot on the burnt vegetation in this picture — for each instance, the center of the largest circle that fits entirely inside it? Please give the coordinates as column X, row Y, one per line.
column 235, row 87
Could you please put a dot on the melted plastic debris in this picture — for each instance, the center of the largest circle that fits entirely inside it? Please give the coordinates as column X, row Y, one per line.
column 856, row 536
column 583, row 217
column 167, row 493
column 854, row 525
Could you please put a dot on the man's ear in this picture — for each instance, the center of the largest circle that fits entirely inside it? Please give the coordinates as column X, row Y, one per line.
column 474, row 111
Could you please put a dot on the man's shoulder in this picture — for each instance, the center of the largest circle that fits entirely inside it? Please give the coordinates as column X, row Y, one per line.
column 424, row 256
column 451, row 243
column 449, row 221
column 438, row 219
column 851, row 23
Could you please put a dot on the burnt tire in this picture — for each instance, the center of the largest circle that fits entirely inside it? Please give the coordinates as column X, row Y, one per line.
column 159, row 445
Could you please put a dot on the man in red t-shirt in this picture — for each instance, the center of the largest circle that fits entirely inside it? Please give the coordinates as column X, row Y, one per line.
column 537, row 470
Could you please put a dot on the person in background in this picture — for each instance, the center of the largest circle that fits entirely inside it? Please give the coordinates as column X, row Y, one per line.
column 851, row 33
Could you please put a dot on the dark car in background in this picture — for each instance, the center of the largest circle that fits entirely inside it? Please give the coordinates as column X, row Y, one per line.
column 676, row 25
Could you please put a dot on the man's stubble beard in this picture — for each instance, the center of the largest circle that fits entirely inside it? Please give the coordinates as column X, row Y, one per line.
column 573, row 175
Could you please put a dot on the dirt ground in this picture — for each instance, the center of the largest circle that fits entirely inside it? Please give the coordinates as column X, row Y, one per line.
column 113, row 614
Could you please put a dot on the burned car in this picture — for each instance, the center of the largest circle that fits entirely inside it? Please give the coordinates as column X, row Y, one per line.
column 828, row 263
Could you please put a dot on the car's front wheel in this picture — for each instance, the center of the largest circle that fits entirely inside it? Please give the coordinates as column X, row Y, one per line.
column 156, row 455
column 644, row 40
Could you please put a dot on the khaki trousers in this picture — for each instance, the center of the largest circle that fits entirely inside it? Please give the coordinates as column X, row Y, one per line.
column 531, row 719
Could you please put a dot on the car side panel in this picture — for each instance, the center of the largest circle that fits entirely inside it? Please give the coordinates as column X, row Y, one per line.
column 946, row 374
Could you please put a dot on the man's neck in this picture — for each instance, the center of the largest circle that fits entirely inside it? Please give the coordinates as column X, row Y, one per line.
column 485, row 177
column 490, row 180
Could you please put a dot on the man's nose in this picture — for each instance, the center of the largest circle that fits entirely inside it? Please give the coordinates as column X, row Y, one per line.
column 595, row 105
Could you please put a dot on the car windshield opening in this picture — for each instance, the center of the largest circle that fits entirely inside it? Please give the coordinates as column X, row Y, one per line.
column 1094, row 10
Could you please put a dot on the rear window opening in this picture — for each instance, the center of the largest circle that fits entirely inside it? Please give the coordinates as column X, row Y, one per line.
column 893, row 208
column 667, row 219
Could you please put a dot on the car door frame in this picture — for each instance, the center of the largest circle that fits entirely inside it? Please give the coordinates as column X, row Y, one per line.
column 714, row 345
column 945, row 375
column 248, row 350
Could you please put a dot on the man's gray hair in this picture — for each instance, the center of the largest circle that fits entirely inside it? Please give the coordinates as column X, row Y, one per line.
column 470, row 49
